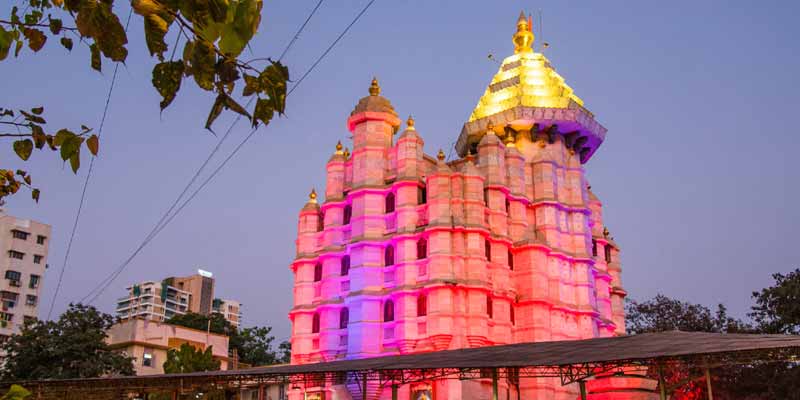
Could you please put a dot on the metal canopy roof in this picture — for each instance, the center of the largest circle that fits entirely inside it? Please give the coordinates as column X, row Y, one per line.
column 570, row 360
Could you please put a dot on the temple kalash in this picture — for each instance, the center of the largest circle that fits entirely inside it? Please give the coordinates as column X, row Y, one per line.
column 411, row 253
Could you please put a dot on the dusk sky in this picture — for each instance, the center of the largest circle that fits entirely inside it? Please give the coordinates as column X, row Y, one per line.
column 696, row 174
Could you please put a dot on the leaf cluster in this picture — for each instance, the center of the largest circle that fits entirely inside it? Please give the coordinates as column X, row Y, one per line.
column 72, row 347
column 16, row 392
column 777, row 308
column 189, row 359
column 30, row 134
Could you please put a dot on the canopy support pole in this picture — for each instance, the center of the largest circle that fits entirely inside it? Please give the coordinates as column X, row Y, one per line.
column 494, row 384
column 708, row 383
column 364, row 387
column 582, row 385
column 394, row 392
column 662, row 386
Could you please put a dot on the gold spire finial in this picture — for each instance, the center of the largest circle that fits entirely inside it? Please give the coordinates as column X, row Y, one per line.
column 523, row 38
column 374, row 88
column 509, row 140
column 339, row 147
column 410, row 123
column 312, row 197
column 605, row 231
column 490, row 128
column 346, row 153
column 440, row 156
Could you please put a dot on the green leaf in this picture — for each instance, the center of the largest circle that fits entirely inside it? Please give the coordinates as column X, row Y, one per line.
column 252, row 85
column 231, row 104
column 55, row 25
column 96, row 20
column 67, row 43
column 32, row 118
column 23, row 148
column 6, row 38
column 37, row 110
column 203, row 62
column 36, row 38
column 39, row 137
column 216, row 110
column 167, row 78
column 226, row 70
column 71, row 146
column 96, row 63
column 35, row 194
column 273, row 82
column 263, row 112
column 93, row 143
column 17, row 392
column 75, row 162
column 147, row 7
column 61, row 136
column 155, row 28
column 236, row 33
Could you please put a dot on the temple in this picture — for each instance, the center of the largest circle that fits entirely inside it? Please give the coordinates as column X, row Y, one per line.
column 506, row 244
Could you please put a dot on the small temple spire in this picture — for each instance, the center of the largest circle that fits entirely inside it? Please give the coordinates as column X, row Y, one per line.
column 523, row 38
column 410, row 124
column 312, row 197
column 440, row 156
column 374, row 87
column 346, row 153
column 339, row 147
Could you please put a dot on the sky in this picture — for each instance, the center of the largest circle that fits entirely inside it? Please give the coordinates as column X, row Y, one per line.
column 697, row 173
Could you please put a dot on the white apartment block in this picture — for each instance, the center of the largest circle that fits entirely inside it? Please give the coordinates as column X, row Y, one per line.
column 24, row 246
column 230, row 309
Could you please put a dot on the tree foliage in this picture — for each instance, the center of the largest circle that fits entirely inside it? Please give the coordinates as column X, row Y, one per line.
column 16, row 392
column 777, row 308
column 214, row 32
column 662, row 313
column 74, row 346
column 253, row 345
column 189, row 359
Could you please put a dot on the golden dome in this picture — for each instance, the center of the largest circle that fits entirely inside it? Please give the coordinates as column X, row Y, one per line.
column 312, row 197
column 410, row 123
column 440, row 156
column 374, row 88
column 339, row 147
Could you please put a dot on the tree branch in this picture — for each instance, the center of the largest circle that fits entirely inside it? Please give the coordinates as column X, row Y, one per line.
column 9, row 23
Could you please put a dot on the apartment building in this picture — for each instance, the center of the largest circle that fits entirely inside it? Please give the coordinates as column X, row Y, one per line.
column 161, row 300
column 230, row 309
column 25, row 244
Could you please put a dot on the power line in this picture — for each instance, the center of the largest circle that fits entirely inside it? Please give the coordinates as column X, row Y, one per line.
column 85, row 183
column 297, row 35
column 95, row 293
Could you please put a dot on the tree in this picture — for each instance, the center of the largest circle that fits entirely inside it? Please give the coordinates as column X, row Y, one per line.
column 74, row 346
column 215, row 32
column 777, row 308
column 662, row 313
column 188, row 359
column 253, row 345
column 286, row 352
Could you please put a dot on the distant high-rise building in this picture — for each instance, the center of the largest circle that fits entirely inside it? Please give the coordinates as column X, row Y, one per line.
column 160, row 301
column 230, row 309
column 24, row 243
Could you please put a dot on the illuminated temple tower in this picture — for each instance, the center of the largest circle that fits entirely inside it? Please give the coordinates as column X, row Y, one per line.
column 506, row 244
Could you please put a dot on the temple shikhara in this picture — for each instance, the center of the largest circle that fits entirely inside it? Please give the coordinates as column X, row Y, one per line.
column 410, row 252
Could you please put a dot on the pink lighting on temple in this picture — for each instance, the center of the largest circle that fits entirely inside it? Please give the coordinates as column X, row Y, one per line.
column 409, row 253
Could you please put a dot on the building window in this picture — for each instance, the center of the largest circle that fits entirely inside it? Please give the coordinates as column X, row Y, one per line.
column 315, row 323
column 34, row 282
column 422, row 195
column 608, row 253
column 486, row 197
column 37, row 259
column 510, row 260
column 487, row 249
column 17, row 234
column 320, row 222
column 345, row 265
column 13, row 275
column 344, row 318
column 4, row 316
column 422, row 249
column 40, row 239
column 317, row 272
column 594, row 248
column 388, row 311
column 422, row 305
column 508, row 207
column 30, row 300
column 27, row 319
column 16, row 254
column 348, row 213
column 489, row 310
column 388, row 256
column 147, row 358
column 390, row 202
column 511, row 315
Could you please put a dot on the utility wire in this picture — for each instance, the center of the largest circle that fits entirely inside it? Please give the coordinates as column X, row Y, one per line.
column 85, row 184
column 159, row 227
column 297, row 35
